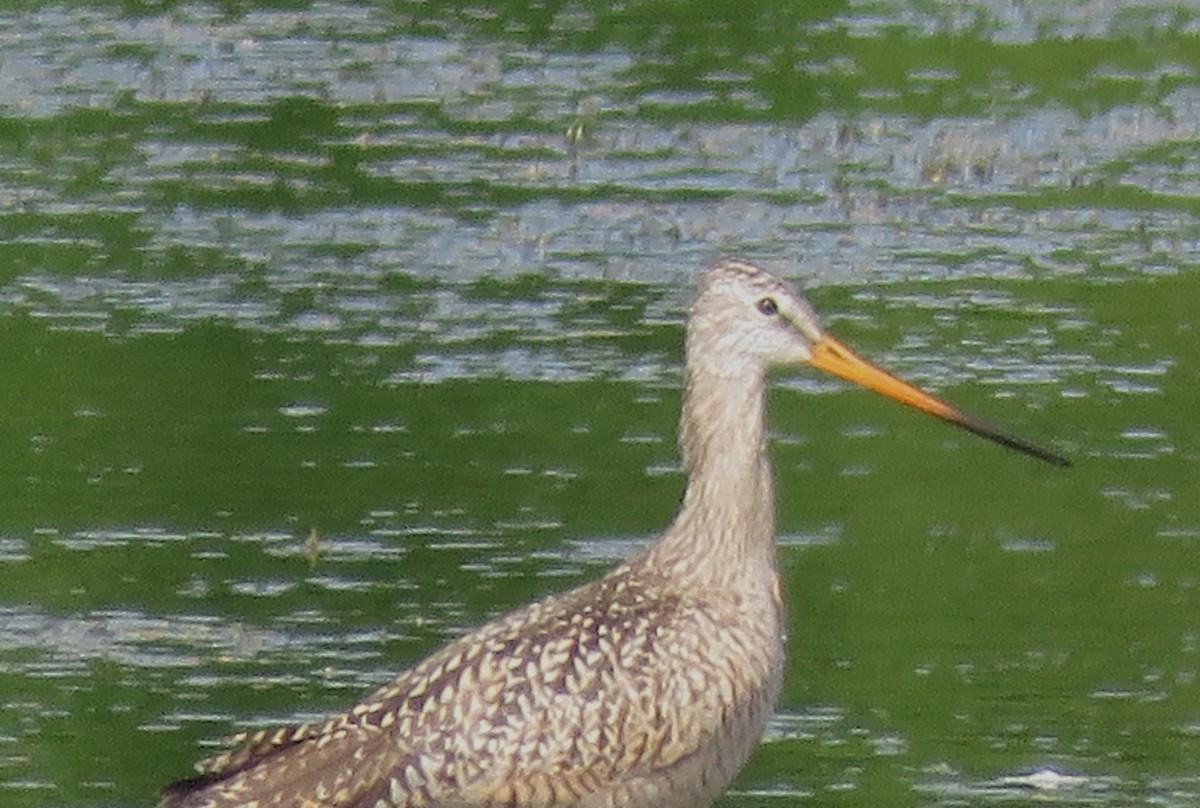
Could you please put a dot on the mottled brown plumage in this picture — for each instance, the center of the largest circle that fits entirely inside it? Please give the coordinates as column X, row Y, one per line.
column 648, row 688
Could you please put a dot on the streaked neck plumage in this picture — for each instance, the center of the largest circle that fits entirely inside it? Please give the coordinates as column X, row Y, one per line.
column 729, row 503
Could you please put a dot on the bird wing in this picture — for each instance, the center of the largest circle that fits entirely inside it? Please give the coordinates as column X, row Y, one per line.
column 542, row 707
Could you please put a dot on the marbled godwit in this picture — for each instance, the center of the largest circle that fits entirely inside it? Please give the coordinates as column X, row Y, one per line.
column 648, row 688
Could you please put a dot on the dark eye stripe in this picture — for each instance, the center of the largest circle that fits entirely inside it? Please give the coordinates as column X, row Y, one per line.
column 768, row 306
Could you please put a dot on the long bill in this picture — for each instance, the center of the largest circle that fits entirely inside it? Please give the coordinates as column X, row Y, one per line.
column 833, row 357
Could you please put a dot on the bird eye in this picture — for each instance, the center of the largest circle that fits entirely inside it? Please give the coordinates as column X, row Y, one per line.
column 768, row 306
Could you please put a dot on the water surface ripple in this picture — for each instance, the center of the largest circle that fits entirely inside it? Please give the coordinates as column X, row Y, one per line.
column 331, row 331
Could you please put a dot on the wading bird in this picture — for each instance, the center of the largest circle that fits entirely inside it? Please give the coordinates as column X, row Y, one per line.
column 648, row 688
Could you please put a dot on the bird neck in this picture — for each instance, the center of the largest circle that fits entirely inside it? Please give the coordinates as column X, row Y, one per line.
column 725, row 528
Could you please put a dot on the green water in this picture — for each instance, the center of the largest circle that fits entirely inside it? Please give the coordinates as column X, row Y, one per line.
column 331, row 331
